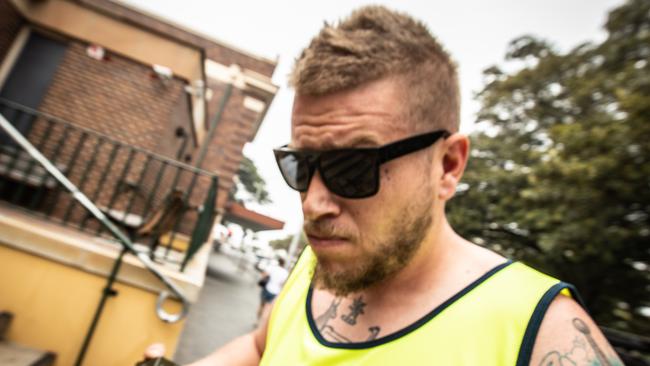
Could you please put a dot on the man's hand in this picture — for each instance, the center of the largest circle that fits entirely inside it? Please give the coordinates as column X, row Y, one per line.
column 568, row 336
column 154, row 356
column 241, row 351
column 155, row 350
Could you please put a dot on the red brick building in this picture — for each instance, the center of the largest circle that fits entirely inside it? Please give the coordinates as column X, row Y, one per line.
column 136, row 80
column 145, row 118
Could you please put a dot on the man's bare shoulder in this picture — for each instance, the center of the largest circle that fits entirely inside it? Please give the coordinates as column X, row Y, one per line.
column 568, row 336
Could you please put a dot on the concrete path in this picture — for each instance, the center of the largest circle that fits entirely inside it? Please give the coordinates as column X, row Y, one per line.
column 226, row 307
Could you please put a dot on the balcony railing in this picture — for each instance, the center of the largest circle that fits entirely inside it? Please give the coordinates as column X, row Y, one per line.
column 156, row 200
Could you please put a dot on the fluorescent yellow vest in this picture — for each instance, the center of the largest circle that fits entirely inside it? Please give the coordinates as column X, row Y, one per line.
column 493, row 321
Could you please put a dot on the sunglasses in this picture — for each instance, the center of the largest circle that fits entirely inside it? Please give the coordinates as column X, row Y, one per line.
column 349, row 173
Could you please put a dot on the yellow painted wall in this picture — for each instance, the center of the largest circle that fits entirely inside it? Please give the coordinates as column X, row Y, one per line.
column 181, row 242
column 53, row 305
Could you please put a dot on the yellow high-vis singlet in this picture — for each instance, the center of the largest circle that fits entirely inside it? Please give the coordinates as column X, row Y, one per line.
column 493, row 321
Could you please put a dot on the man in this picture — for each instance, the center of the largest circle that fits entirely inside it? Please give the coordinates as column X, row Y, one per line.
column 376, row 154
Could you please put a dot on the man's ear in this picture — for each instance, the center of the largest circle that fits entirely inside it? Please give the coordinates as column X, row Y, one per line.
column 455, row 154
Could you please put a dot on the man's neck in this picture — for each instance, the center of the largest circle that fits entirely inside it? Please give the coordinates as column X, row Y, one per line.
column 426, row 270
column 444, row 265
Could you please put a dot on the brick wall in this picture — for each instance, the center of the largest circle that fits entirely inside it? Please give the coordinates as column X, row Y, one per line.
column 118, row 98
column 10, row 23
column 235, row 128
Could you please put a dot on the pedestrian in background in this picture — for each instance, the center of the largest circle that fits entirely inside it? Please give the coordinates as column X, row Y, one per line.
column 273, row 278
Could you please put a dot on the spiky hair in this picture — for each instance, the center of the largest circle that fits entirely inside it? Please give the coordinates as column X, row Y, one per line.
column 375, row 42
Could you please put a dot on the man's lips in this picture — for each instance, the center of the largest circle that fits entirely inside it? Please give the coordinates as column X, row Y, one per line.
column 325, row 240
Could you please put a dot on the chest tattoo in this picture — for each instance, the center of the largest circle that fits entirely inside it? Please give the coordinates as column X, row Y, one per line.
column 356, row 309
column 329, row 314
column 331, row 334
column 374, row 332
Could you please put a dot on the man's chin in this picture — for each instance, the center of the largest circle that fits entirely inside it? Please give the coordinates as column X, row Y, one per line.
column 339, row 281
column 335, row 287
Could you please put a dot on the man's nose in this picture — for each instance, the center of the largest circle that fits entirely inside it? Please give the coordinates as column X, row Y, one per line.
column 318, row 201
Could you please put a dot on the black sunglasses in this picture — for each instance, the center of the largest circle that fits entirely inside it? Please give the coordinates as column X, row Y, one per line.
column 349, row 173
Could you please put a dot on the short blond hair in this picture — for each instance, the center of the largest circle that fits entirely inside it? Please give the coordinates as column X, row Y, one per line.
column 375, row 42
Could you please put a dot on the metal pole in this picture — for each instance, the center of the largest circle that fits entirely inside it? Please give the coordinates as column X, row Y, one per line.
column 213, row 125
column 108, row 291
column 293, row 247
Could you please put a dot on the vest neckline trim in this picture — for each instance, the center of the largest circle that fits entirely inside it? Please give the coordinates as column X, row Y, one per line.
column 404, row 331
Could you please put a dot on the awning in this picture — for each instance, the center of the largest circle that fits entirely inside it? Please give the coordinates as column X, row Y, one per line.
column 237, row 214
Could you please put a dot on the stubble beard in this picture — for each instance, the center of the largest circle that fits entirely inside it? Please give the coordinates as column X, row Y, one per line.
column 383, row 258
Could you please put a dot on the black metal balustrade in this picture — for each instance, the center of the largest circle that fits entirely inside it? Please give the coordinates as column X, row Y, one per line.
column 155, row 199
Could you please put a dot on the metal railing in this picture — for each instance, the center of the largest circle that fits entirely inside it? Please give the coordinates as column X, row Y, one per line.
column 155, row 200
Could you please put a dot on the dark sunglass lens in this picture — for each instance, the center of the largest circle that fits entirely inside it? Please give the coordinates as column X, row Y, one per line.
column 295, row 170
column 351, row 174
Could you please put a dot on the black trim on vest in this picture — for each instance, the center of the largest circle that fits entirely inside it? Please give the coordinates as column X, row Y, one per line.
column 404, row 331
column 528, row 342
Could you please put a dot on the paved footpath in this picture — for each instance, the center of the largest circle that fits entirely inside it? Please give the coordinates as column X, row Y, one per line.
column 226, row 308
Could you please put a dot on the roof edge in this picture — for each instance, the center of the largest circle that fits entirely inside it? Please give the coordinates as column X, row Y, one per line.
column 195, row 32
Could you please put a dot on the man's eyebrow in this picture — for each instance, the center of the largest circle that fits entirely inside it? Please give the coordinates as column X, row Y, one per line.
column 363, row 141
column 354, row 142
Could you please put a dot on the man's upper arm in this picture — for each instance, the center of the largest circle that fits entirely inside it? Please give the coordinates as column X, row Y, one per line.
column 568, row 336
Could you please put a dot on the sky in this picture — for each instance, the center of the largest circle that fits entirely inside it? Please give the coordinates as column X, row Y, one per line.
column 475, row 32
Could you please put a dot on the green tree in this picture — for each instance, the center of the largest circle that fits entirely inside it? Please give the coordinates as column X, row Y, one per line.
column 559, row 175
column 252, row 182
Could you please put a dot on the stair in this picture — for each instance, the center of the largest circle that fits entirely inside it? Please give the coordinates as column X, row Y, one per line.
column 12, row 354
column 5, row 320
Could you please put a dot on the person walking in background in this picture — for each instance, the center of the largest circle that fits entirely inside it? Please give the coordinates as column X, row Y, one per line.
column 273, row 278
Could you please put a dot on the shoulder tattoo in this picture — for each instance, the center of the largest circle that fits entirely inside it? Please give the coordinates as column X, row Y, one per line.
column 585, row 351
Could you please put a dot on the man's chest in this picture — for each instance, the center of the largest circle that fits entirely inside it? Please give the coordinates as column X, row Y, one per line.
column 354, row 319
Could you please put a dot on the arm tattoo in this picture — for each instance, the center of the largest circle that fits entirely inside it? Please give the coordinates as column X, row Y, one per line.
column 356, row 309
column 585, row 351
column 584, row 329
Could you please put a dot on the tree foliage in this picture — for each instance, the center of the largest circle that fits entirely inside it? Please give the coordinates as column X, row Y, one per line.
column 559, row 175
column 252, row 182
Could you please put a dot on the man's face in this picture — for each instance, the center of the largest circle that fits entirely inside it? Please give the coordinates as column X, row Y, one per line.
column 360, row 242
